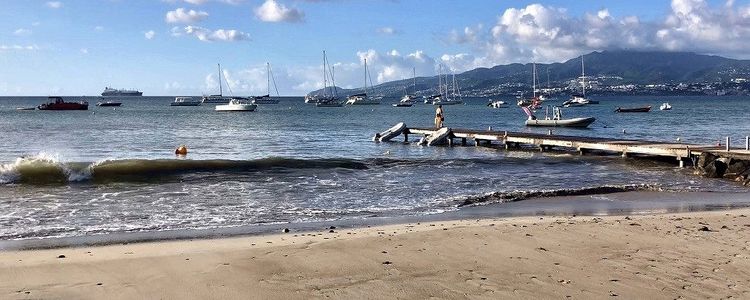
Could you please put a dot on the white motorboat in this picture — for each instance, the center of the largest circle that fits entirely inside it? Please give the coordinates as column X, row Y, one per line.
column 497, row 104
column 665, row 106
column 185, row 101
column 557, row 119
column 362, row 98
column 237, row 104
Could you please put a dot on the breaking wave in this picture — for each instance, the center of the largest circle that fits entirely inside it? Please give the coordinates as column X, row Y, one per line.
column 510, row 196
column 48, row 169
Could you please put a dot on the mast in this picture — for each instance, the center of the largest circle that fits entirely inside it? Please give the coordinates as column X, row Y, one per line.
column 414, row 76
column 533, row 79
column 583, row 78
column 221, row 93
column 440, row 80
column 268, row 78
column 365, row 75
column 325, row 75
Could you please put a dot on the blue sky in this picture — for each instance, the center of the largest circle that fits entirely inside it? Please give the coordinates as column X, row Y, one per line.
column 171, row 47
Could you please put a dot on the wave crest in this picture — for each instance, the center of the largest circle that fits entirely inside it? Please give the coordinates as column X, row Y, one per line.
column 510, row 196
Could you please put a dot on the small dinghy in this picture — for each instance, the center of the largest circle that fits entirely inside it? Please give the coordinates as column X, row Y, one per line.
column 436, row 138
column 634, row 109
column 665, row 106
column 497, row 104
column 390, row 133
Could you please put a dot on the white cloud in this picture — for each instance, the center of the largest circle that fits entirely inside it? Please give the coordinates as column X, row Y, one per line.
column 54, row 4
column 22, row 32
column 99, row 28
column 208, row 35
column 272, row 11
column 387, row 31
column 201, row 2
column 149, row 35
column 184, row 16
column 84, row 51
column 18, row 47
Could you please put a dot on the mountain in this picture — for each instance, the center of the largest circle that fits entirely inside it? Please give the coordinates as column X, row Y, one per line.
column 606, row 67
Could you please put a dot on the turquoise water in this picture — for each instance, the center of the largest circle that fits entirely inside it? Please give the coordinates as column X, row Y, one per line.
column 105, row 170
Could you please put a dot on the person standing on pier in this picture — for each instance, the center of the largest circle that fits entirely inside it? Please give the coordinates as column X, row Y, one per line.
column 439, row 117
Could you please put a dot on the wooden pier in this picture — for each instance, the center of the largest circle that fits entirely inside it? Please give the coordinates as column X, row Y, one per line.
column 683, row 153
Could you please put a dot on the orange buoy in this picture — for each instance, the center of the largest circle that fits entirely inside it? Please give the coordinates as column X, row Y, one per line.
column 181, row 150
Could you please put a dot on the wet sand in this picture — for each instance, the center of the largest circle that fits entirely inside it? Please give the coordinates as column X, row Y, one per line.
column 656, row 256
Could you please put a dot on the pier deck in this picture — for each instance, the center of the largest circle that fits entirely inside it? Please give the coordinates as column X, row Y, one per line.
column 682, row 152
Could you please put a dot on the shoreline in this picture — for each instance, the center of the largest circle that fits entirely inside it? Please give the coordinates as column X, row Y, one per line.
column 614, row 204
column 656, row 256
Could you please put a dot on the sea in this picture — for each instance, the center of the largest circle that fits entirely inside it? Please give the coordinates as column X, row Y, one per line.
column 113, row 172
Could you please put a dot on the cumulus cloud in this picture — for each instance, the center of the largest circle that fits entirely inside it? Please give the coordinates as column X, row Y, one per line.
column 149, row 35
column 272, row 11
column 22, row 32
column 185, row 16
column 54, row 4
column 208, row 35
column 546, row 33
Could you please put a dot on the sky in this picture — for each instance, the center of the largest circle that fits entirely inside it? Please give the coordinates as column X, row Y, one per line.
column 172, row 47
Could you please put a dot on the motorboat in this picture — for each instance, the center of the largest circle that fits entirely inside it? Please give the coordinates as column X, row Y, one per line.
column 665, row 106
column 497, row 104
column 185, row 101
column 633, row 110
column 406, row 101
column 361, row 99
column 556, row 120
column 237, row 104
column 109, row 104
column 25, row 108
column 57, row 103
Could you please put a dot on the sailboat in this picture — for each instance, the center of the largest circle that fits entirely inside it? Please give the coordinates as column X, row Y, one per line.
column 362, row 98
column 332, row 99
column 409, row 99
column 580, row 100
column 443, row 98
column 220, row 98
column 534, row 102
column 266, row 99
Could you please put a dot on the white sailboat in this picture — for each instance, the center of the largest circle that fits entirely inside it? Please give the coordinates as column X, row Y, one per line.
column 266, row 99
column 580, row 100
column 443, row 98
column 534, row 102
column 332, row 99
column 363, row 98
column 220, row 98
column 409, row 99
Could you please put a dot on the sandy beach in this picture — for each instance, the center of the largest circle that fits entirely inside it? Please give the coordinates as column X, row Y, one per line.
column 700, row 255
